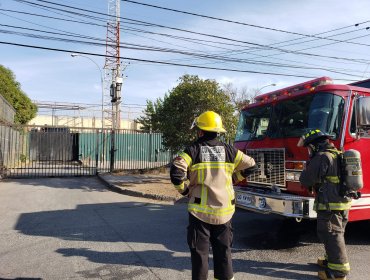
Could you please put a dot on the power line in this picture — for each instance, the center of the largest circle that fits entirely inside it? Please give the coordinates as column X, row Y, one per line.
column 207, row 56
column 229, row 21
column 198, row 41
column 156, row 49
column 346, row 41
column 74, row 105
column 309, row 54
column 204, row 34
column 50, row 17
column 169, row 50
column 272, row 29
column 162, row 62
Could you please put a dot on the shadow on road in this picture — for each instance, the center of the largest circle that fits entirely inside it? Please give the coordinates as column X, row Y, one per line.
column 145, row 227
column 155, row 234
column 154, row 258
column 357, row 233
column 272, row 232
column 110, row 222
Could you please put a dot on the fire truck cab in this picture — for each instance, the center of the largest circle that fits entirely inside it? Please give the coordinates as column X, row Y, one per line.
column 269, row 129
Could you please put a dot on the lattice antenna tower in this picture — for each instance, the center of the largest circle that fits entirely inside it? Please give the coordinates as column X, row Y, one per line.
column 112, row 67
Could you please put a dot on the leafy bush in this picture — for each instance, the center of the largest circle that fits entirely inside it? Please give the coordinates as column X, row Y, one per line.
column 11, row 90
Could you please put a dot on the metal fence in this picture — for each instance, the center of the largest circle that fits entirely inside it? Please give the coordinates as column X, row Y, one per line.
column 10, row 140
column 7, row 111
column 32, row 151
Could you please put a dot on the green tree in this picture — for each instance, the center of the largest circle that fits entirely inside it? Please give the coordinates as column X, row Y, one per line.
column 150, row 121
column 174, row 114
column 11, row 90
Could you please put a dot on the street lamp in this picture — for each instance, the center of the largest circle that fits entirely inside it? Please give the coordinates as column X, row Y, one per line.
column 102, row 86
column 259, row 90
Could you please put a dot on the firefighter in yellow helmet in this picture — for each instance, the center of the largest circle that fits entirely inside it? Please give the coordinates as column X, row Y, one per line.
column 204, row 172
column 322, row 175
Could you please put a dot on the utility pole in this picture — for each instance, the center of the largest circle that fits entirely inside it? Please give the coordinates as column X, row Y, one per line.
column 113, row 75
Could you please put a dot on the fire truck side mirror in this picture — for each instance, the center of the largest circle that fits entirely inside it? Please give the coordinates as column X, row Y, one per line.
column 363, row 111
column 362, row 115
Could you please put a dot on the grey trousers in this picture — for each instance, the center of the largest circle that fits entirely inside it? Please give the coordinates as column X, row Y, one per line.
column 330, row 230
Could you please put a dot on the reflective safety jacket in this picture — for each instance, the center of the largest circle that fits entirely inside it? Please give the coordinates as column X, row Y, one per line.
column 204, row 173
column 323, row 175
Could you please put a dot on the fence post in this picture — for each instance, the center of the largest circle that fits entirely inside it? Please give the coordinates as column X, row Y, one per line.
column 112, row 150
column 150, row 146
column 97, row 142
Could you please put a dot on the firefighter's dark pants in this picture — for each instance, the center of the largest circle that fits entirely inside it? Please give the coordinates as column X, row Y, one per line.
column 330, row 229
column 200, row 236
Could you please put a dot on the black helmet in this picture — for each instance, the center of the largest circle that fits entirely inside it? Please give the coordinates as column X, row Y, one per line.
column 314, row 136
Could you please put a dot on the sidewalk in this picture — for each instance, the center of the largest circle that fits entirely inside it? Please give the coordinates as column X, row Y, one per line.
column 152, row 186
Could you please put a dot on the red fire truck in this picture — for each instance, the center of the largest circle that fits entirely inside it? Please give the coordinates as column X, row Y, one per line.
column 269, row 130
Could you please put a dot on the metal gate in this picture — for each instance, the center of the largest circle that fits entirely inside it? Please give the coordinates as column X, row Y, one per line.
column 33, row 151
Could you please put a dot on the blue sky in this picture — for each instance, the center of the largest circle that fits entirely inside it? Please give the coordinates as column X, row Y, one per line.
column 276, row 45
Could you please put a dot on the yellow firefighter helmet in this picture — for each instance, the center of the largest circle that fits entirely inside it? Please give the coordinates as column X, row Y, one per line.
column 209, row 121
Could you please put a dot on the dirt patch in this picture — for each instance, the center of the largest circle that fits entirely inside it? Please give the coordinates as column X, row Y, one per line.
column 163, row 170
column 152, row 184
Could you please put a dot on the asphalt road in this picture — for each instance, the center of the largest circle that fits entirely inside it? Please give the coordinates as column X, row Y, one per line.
column 75, row 228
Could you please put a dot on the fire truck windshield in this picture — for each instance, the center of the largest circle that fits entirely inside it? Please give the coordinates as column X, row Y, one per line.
column 292, row 117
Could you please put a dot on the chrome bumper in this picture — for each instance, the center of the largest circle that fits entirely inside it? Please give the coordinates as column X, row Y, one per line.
column 287, row 205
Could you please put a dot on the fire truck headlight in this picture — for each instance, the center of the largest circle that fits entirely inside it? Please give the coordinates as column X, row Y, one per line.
column 292, row 176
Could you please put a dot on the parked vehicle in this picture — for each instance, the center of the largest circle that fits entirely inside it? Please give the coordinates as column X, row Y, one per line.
column 269, row 130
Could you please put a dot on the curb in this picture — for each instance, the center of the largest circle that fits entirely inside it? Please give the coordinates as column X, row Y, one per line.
column 120, row 190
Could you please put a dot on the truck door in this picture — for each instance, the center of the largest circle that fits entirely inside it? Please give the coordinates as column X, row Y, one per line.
column 359, row 140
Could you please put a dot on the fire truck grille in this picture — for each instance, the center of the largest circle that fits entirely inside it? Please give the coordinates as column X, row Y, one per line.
column 271, row 167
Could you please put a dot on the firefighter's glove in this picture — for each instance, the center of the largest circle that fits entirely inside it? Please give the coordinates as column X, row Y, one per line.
column 183, row 188
column 246, row 172
column 354, row 195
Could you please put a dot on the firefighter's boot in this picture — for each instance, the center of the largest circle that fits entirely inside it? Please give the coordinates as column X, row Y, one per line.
column 322, row 262
column 325, row 275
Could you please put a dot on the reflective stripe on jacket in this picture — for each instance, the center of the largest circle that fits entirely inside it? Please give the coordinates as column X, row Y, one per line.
column 209, row 165
column 332, row 206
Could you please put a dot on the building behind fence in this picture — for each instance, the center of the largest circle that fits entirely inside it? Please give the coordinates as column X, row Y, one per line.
column 36, row 151
column 49, row 150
